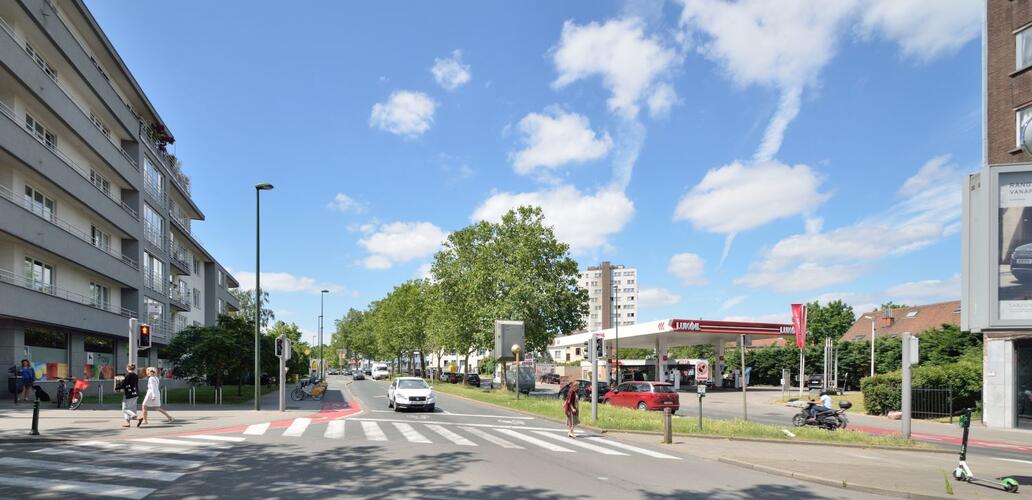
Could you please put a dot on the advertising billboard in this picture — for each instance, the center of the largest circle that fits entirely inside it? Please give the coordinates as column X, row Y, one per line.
column 1014, row 263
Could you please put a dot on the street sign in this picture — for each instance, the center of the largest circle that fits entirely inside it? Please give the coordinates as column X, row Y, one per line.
column 702, row 371
column 701, row 390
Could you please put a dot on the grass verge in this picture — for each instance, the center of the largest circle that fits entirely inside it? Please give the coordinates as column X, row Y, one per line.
column 205, row 395
column 625, row 419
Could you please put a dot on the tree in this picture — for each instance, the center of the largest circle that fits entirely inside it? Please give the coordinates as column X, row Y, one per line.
column 830, row 321
column 891, row 305
column 402, row 315
column 217, row 351
column 298, row 362
column 246, row 299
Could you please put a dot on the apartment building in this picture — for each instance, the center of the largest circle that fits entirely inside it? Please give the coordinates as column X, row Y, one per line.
column 612, row 300
column 96, row 213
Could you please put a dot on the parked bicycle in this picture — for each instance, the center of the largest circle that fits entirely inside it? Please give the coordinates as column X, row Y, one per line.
column 313, row 388
column 78, row 392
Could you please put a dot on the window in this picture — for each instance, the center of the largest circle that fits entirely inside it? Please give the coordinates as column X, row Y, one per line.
column 41, row 133
column 43, row 64
column 47, row 349
column 152, row 180
column 153, row 270
column 911, row 314
column 39, row 203
column 196, row 297
column 99, row 124
column 630, row 297
column 1020, row 117
column 99, row 181
column 1023, row 44
column 222, row 307
column 100, row 295
column 101, row 239
column 630, row 282
column 153, row 225
column 576, row 351
column 39, row 274
column 155, row 312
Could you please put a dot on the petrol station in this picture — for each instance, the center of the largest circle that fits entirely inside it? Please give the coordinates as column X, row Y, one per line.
column 662, row 335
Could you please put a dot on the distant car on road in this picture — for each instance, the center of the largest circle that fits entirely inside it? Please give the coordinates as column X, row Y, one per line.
column 358, row 375
column 380, row 372
column 644, row 396
column 410, row 392
column 584, row 391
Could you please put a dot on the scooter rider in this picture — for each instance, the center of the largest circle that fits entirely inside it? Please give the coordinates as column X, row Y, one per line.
column 823, row 407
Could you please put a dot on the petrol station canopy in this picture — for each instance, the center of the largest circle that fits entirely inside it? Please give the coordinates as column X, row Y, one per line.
column 664, row 334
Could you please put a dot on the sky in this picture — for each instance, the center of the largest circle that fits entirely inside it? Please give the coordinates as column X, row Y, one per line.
column 742, row 155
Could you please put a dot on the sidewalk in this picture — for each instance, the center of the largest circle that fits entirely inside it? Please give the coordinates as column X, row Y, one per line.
column 904, row 474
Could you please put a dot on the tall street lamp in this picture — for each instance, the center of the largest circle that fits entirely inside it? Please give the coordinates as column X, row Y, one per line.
column 258, row 188
column 321, row 360
column 616, row 313
column 872, row 344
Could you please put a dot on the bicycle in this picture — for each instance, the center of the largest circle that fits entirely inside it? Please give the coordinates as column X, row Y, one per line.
column 78, row 391
column 309, row 388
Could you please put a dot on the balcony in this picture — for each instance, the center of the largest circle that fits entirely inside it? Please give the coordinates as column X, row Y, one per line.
column 9, row 113
column 181, row 258
column 179, row 297
column 153, row 282
column 169, row 160
column 179, row 216
column 49, row 289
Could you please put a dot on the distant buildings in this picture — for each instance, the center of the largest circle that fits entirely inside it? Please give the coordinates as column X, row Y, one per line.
column 913, row 320
column 612, row 295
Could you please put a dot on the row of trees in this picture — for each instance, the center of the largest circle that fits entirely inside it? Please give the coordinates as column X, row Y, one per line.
column 514, row 269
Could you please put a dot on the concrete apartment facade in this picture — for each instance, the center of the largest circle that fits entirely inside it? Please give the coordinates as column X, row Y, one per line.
column 998, row 297
column 95, row 213
column 612, row 299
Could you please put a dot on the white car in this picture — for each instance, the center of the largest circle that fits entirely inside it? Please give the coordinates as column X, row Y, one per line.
column 380, row 372
column 410, row 392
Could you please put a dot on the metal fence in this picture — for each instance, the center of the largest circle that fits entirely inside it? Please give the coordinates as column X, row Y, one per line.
column 929, row 402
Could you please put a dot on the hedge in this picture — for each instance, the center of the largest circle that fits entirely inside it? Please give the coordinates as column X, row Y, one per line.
column 883, row 393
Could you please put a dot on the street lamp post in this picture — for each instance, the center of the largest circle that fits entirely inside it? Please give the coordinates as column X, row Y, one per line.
column 872, row 345
column 616, row 314
column 321, row 360
column 258, row 188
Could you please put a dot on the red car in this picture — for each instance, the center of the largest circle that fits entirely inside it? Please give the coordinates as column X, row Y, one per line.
column 644, row 396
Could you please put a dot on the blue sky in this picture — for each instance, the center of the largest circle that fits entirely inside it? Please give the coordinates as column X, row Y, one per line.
column 743, row 156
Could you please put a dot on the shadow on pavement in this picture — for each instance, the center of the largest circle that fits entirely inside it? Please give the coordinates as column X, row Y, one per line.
column 765, row 491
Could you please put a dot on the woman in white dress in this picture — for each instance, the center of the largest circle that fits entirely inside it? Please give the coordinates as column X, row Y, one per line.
column 152, row 401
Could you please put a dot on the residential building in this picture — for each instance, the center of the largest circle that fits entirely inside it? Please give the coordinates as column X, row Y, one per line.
column 913, row 320
column 95, row 214
column 612, row 295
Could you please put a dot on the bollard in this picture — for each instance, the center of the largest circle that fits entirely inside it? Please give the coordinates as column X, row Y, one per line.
column 667, row 427
column 100, row 399
column 35, row 418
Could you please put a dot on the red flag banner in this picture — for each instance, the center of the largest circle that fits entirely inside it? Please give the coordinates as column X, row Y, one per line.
column 799, row 323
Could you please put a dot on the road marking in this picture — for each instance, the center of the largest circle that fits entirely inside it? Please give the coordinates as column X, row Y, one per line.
column 80, row 487
column 484, row 416
column 533, row 440
column 511, row 421
column 643, row 451
column 186, row 464
column 410, row 433
column 335, row 429
column 492, row 438
column 1013, row 460
column 156, row 475
column 177, row 442
column 297, row 427
column 257, row 429
column 148, row 449
column 373, row 432
column 212, row 437
column 581, row 444
column 490, row 426
column 451, row 436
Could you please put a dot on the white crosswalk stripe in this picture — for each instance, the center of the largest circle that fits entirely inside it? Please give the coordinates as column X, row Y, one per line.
column 635, row 449
column 148, row 449
column 213, row 437
column 10, row 462
column 410, row 433
column 578, row 443
column 77, row 487
column 179, row 442
column 491, row 438
column 335, row 429
column 533, row 440
column 257, row 429
column 450, row 436
column 155, row 460
column 373, row 431
column 297, row 427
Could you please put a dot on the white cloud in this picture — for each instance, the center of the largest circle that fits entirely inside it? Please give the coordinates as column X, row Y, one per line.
column 345, row 204
column 732, row 302
column 405, row 113
column 738, row 197
column 423, row 272
column 805, row 277
column 657, row 297
column 924, row 30
column 401, row 242
column 584, row 221
column 555, row 138
column 662, row 98
column 284, row 282
column 620, row 53
column 689, row 268
column 449, row 72
column 916, row 292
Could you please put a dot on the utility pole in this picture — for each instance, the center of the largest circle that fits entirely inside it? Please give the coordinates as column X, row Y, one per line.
column 616, row 303
column 872, row 345
column 258, row 188
column 745, row 402
column 593, row 356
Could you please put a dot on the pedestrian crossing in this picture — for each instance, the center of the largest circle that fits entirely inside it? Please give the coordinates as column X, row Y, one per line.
column 130, row 468
column 469, row 435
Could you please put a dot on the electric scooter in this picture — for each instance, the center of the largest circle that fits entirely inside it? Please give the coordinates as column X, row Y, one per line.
column 963, row 472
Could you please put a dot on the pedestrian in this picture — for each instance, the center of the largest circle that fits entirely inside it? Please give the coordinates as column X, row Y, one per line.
column 152, row 400
column 130, row 387
column 28, row 377
column 570, row 408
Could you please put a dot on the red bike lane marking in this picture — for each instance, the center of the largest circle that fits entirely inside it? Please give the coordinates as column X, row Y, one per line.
column 977, row 443
column 329, row 411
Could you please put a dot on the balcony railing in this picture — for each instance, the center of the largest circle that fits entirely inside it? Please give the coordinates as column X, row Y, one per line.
column 153, row 282
column 179, row 216
column 67, row 227
column 181, row 296
column 46, row 288
column 167, row 159
column 9, row 113
column 182, row 257
column 18, row 41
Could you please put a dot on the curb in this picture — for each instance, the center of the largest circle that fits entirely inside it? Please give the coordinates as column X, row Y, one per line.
column 831, row 482
column 33, row 439
column 708, row 436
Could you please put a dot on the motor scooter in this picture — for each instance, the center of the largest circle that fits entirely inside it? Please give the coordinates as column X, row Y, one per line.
column 825, row 418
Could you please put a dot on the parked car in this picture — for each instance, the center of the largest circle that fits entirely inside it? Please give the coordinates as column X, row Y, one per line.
column 347, row 372
column 380, row 372
column 644, row 396
column 410, row 392
column 473, row 379
column 584, row 391
column 358, row 375
column 550, row 378
column 451, row 377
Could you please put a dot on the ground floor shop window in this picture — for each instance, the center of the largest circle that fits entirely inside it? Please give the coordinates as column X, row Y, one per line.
column 100, row 357
column 47, row 351
column 1023, row 349
column 164, row 364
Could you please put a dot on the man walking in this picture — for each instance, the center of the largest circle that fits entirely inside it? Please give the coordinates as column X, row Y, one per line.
column 130, row 387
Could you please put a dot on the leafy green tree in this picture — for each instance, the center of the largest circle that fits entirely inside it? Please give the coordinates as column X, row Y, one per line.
column 946, row 344
column 247, row 307
column 298, row 362
column 891, row 305
column 830, row 321
column 220, row 351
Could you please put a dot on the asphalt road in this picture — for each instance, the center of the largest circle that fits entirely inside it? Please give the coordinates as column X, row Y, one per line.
column 462, row 450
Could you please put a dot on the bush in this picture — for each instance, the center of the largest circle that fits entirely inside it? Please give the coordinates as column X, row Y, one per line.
column 883, row 393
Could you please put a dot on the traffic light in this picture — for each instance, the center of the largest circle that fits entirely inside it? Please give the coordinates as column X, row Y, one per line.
column 279, row 347
column 600, row 347
column 144, row 330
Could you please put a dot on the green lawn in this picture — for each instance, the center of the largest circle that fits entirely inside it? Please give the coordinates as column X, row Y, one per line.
column 205, row 395
column 617, row 419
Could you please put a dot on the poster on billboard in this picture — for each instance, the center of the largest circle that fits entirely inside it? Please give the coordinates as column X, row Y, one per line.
column 1015, row 263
